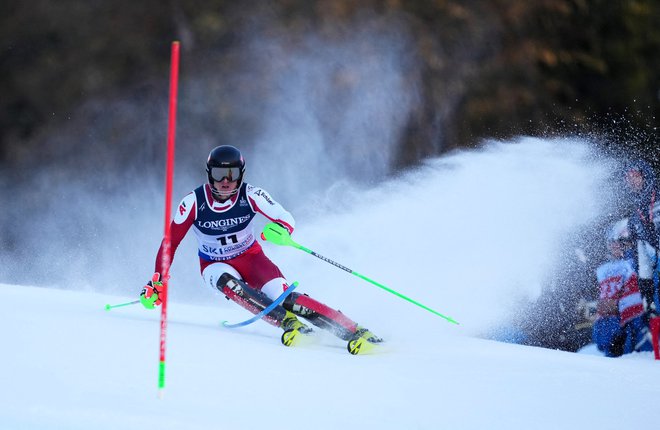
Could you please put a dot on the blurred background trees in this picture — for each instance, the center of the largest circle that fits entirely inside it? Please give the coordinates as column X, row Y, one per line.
column 479, row 68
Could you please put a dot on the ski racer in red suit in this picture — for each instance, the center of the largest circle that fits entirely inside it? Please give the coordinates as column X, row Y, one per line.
column 221, row 215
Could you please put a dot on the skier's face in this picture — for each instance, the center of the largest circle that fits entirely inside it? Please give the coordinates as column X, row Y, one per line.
column 225, row 187
column 635, row 180
column 618, row 248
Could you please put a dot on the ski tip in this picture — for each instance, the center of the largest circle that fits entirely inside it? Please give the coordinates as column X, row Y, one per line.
column 290, row 337
column 361, row 346
column 108, row 307
column 294, row 337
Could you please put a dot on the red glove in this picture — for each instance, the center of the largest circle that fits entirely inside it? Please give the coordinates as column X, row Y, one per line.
column 150, row 296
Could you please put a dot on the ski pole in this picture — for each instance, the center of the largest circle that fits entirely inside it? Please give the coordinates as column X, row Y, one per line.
column 134, row 302
column 278, row 235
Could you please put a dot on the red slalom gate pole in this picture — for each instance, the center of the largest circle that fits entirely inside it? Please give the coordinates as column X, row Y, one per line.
column 655, row 332
column 169, row 173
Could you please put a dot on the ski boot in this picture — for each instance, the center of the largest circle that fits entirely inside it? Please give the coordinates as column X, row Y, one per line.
column 363, row 341
column 293, row 328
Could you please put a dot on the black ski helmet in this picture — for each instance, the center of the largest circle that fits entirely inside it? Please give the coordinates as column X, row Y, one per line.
column 225, row 161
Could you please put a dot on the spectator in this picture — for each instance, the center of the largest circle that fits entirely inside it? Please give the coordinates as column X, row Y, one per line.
column 640, row 182
column 620, row 327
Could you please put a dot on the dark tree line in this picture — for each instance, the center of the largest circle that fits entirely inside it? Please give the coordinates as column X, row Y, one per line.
column 487, row 68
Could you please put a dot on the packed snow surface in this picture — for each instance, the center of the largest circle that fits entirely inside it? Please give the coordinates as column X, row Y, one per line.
column 69, row 364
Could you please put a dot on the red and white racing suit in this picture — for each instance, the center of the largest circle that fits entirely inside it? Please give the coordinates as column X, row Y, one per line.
column 226, row 243
column 225, row 236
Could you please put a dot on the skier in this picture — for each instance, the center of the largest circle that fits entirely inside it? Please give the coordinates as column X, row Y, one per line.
column 619, row 328
column 221, row 214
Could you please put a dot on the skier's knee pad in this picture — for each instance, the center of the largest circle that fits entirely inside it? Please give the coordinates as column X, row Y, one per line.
column 214, row 271
column 229, row 281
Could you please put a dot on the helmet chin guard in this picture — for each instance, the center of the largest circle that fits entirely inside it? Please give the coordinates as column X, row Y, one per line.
column 222, row 195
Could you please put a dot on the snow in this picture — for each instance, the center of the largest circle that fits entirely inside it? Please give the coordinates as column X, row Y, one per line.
column 69, row 364
column 464, row 235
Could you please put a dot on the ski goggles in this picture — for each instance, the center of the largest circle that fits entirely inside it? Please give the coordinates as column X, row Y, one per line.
column 230, row 173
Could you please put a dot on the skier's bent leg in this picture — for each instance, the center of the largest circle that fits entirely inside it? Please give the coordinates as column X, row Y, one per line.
column 256, row 301
column 325, row 317
column 252, row 300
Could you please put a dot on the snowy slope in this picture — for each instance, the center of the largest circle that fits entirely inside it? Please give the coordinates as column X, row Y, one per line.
column 468, row 235
column 68, row 364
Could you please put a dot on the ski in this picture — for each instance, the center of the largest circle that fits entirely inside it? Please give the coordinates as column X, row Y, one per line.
column 363, row 342
column 356, row 346
column 361, row 346
column 295, row 338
